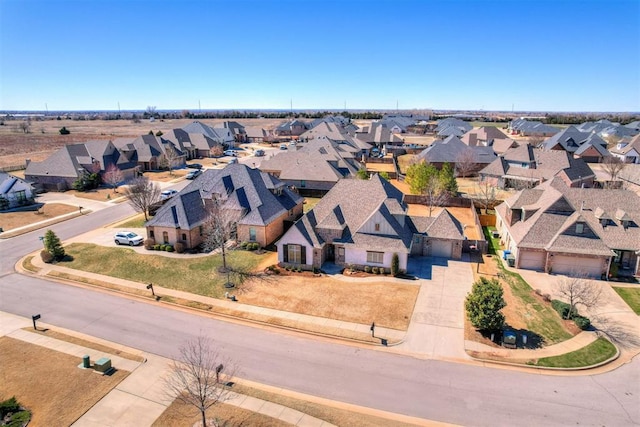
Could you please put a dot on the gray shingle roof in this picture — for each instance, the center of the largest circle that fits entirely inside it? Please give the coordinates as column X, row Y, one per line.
column 450, row 149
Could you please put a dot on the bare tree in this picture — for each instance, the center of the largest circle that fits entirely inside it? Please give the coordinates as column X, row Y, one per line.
column 170, row 158
column 435, row 193
column 613, row 166
column 113, row 176
column 485, row 193
column 466, row 162
column 151, row 110
column 25, row 126
column 536, row 140
column 142, row 193
column 217, row 150
column 220, row 226
column 578, row 291
column 200, row 377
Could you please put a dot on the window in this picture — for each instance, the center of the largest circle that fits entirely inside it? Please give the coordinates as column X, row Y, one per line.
column 184, row 237
column 303, row 184
column 295, row 256
column 252, row 234
column 21, row 196
column 416, row 239
column 201, row 230
column 375, row 257
column 377, row 226
column 579, row 228
column 341, row 252
column 151, row 235
column 165, row 237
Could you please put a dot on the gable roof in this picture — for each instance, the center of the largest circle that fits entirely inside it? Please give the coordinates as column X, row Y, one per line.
column 217, row 134
column 239, row 186
column 570, row 139
column 320, row 159
column 556, row 208
column 450, row 149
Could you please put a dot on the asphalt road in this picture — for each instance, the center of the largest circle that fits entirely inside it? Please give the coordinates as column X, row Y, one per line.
column 431, row 389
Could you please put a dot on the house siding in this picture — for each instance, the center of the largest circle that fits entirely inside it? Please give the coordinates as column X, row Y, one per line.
column 358, row 257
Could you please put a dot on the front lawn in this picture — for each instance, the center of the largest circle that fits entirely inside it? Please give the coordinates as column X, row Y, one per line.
column 136, row 221
column 195, row 275
column 596, row 352
column 493, row 242
column 631, row 296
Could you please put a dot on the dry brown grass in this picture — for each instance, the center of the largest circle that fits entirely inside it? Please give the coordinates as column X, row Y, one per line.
column 380, row 167
column 165, row 176
column 84, row 343
column 27, row 264
column 99, row 194
column 179, row 414
column 49, row 383
column 10, row 220
column 357, row 302
column 418, row 139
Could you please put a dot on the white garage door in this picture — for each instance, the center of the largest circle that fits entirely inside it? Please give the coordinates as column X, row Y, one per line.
column 577, row 266
column 531, row 260
column 441, row 248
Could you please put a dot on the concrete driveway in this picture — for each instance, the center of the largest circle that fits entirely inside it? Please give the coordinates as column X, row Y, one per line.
column 437, row 324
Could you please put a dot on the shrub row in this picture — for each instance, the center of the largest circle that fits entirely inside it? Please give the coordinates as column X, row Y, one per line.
column 250, row 246
column 563, row 310
column 163, row 247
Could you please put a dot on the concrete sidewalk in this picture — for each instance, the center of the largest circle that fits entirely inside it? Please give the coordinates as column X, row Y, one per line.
column 140, row 398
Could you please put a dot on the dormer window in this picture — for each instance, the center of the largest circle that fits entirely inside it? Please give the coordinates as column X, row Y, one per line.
column 377, row 226
column 579, row 228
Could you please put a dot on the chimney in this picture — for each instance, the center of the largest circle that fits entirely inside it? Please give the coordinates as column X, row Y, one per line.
column 27, row 161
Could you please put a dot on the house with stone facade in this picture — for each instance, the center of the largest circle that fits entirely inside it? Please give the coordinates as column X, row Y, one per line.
column 364, row 223
column 576, row 231
column 265, row 204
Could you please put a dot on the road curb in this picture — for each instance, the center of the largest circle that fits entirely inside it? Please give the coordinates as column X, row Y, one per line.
column 20, row 269
column 46, row 223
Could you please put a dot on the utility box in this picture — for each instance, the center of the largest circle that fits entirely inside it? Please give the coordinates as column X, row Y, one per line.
column 86, row 363
column 511, row 260
column 103, row 365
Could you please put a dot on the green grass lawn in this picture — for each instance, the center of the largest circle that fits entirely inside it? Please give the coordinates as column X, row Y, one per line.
column 631, row 296
column 493, row 242
column 134, row 222
column 194, row 275
column 596, row 352
column 540, row 317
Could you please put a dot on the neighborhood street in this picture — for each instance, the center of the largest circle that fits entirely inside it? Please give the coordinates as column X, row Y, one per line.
column 431, row 389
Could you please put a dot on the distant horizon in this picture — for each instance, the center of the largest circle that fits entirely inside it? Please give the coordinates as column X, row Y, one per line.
column 458, row 55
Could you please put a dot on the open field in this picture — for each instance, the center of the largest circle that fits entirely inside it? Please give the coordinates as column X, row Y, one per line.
column 49, row 383
column 11, row 220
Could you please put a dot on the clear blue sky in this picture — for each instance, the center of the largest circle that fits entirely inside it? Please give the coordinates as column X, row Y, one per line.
column 535, row 55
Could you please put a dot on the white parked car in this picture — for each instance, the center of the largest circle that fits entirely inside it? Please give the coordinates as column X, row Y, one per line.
column 167, row 194
column 230, row 153
column 128, row 238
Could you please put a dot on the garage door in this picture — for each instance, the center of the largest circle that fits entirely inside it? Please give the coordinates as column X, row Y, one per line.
column 591, row 267
column 531, row 260
column 441, row 248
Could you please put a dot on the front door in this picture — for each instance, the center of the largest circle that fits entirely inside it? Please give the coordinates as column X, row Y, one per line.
column 331, row 253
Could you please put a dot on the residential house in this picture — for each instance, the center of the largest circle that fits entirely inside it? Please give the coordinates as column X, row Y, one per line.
column 151, row 152
column 452, row 126
column 398, row 123
column 627, row 150
column 316, row 166
column 291, row 128
column 526, row 166
column 364, row 223
column 65, row 166
column 340, row 120
column 265, row 204
column 194, row 145
column 337, row 133
column 378, row 135
column 14, row 192
column 588, row 146
column 525, row 127
column 483, row 136
column 453, row 151
column 256, row 134
column 574, row 231
column 222, row 135
column 606, row 129
column 238, row 131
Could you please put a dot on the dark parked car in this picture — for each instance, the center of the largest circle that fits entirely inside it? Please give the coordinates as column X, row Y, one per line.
column 195, row 166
